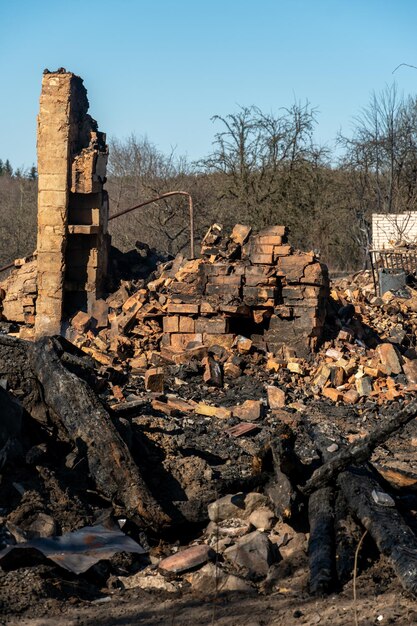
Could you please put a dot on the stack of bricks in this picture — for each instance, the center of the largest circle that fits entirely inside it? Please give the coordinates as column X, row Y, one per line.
column 256, row 284
column 298, row 322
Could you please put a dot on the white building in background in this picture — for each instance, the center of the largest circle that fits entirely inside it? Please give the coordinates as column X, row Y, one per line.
column 391, row 228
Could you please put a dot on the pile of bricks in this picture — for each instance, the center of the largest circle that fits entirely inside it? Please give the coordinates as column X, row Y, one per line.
column 248, row 282
column 246, row 285
column 18, row 294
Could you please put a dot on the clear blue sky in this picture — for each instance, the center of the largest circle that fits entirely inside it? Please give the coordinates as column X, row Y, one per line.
column 162, row 68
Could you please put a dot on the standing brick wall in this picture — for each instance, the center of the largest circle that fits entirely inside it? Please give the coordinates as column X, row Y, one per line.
column 393, row 227
column 72, row 243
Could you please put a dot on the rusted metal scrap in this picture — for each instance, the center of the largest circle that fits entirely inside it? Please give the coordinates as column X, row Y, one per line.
column 79, row 550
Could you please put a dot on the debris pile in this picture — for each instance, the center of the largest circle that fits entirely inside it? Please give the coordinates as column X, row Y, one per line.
column 190, row 433
column 252, row 490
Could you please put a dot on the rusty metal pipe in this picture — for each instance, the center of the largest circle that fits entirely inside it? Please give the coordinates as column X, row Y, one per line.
column 142, row 204
column 161, row 197
column 6, row 267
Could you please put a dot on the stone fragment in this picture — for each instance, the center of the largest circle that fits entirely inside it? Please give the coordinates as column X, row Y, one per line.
column 42, row 526
column 154, row 380
column 148, row 580
column 138, row 363
column 364, row 386
column 254, row 501
column 410, row 370
column 231, row 370
column 296, row 368
column 220, row 412
column 389, row 357
column 187, row 559
column 253, row 552
column 351, row 396
column 243, row 344
column 212, row 579
column 227, row 507
column 294, row 546
column 322, row 376
column 249, row 410
column 276, row 397
column 262, row 518
column 232, row 527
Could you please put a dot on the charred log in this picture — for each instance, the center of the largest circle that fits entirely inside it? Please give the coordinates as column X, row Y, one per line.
column 321, row 543
column 385, row 524
column 393, row 537
column 347, row 536
column 90, row 427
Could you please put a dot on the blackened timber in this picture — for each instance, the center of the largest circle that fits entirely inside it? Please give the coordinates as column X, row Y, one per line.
column 90, row 427
column 320, row 545
column 359, row 452
column 347, row 536
column 394, row 538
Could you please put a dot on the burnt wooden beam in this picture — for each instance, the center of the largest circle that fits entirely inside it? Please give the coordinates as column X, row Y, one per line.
column 393, row 537
column 90, row 427
column 321, row 542
column 360, row 451
column 347, row 536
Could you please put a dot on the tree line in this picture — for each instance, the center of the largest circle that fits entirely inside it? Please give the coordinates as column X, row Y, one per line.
column 264, row 168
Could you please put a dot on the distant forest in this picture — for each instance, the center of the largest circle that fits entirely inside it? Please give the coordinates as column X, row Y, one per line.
column 263, row 169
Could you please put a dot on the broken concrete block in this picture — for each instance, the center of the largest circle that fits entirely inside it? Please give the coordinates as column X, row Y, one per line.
column 249, row 410
column 276, row 397
column 154, row 380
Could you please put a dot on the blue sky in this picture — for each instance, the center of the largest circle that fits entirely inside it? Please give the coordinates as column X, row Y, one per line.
column 163, row 68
